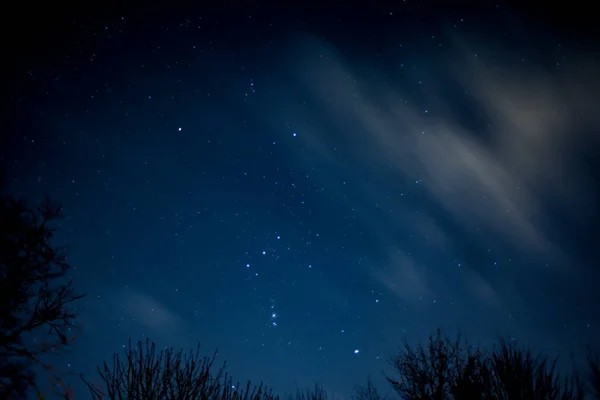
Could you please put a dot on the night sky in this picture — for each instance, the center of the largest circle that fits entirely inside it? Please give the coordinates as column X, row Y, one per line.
column 303, row 188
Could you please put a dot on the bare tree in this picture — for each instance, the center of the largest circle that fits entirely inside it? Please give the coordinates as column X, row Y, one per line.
column 516, row 373
column 452, row 369
column 147, row 374
column 593, row 362
column 367, row 392
column 443, row 368
column 36, row 314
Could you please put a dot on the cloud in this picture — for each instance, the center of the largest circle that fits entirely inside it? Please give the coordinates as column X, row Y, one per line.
column 403, row 276
column 496, row 178
column 135, row 313
column 483, row 291
column 533, row 121
column 149, row 312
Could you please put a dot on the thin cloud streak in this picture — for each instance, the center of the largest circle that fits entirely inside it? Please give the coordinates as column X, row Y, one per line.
column 149, row 312
column 496, row 181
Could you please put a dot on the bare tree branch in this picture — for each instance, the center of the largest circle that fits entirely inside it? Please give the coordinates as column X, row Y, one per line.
column 367, row 392
column 451, row 369
column 144, row 373
column 36, row 316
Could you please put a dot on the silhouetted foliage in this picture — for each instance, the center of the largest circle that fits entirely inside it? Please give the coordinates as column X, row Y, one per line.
column 367, row 392
column 36, row 293
column 515, row 373
column 594, row 374
column 451, row 369
column 145, row 373
column 441, row 369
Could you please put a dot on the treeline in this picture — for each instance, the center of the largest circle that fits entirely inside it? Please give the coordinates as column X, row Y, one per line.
column 37, row 298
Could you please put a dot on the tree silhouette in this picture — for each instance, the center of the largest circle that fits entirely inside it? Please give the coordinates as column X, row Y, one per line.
column 36, row 293
column 593, row 362
column 452, row 369
column 442, row 369
column 147, row 374
column 367, row 392
column 512, row 372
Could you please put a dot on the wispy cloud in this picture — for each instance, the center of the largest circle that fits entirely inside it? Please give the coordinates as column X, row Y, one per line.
column 149, row 312
column 497, row 179
column 403, row 276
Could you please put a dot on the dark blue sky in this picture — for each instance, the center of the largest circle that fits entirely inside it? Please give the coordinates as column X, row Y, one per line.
column 304, row 189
